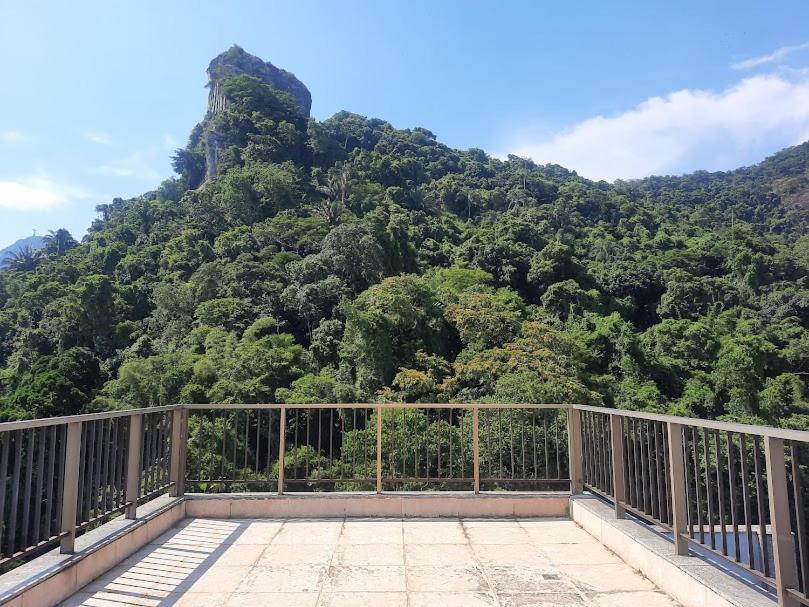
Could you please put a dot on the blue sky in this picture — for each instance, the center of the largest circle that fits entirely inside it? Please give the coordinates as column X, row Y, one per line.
column 96, row 95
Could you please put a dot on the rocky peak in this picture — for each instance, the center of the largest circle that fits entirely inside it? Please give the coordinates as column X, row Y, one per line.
column 235, row 61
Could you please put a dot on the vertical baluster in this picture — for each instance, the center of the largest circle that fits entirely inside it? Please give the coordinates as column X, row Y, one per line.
column 782, row 546
column 403, row 442
column 511, row 439
column 48, row 530
column 60, row 478
column 120, row 456
column 677, row 481
column 631, row 457
column 25, row 539
column 500, row 440
column 235, row 417
column 134, row 464
column 730, row 445
column 145, row 455
column 545, row 443
column 534, row 435
column 661, row 491
column 665, row 473
column 748, row 510
column 113, row 467
column 689, row 494
column 281, row 447
column 97, row 467
column 650, row 462
column 6, row 438
column 708, row 489
column 224, row 441
column 761, row 496
column 258, row 440
column 638, row 455
column 698, row 483
column 38, row 497
column 331, row 438
column 15, row 493
column 83, row 470
column 476, row 450
column 521, row 418
column 269, row 444
column 618, row 480
column 70, row 487
column 654, row 447
column 379, row 449
column 178, row 449
column 575, row 451
column 450, row 430
column 246, row 466
column 800, row 517
column 720, row 492
column 106, row 427
column 556, row 442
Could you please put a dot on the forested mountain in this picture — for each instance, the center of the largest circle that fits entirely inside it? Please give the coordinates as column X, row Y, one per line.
column 294, row 260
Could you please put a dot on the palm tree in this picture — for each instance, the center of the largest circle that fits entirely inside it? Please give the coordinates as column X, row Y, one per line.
column 59, row 242
column 24, row 260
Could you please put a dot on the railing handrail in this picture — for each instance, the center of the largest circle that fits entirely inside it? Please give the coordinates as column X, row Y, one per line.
column 27, row 424
column 737, row 428
column 242, row 406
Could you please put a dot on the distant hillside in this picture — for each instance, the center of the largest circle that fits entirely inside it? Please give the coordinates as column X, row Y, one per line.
column 35, row 242
column 302, row 261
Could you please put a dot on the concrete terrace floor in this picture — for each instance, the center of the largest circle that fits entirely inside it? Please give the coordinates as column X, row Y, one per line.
column 373, row 562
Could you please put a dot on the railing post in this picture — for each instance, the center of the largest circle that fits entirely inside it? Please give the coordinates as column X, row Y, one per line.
column 575, row 451
column 783, row 550
column 282, row 433
column 679, row 513
column 476, row 448
column 618, row 479
column 379, row 449
column 179, row 446
column 70, row 490
column 133, row 464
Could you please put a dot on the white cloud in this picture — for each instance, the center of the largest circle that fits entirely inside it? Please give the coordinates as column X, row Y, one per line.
column 777, row 54
column 13, row 137
column 169, row 142
column 38, row 193
column 98, row 137
column 683, row 131
column 134, row 165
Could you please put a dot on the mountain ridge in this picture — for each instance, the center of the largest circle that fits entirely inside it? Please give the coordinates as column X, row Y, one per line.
column 345, row 260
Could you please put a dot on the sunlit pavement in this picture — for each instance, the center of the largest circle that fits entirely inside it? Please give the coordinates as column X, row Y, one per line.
column 373, row 562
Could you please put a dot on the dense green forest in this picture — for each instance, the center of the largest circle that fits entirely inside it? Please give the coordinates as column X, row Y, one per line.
column 346, row 260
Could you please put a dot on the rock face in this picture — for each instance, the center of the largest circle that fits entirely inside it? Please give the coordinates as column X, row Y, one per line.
column 237, row 61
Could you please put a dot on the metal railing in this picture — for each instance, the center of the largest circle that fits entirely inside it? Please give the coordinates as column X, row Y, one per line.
column 64, row 475
column 736, row 491
column 391, row 446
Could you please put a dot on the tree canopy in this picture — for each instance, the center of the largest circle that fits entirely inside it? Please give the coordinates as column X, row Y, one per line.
column 347, row 260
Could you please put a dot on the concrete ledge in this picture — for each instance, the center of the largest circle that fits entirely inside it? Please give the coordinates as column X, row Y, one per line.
column 361, row 504
column 53, row 577
column 692, row 581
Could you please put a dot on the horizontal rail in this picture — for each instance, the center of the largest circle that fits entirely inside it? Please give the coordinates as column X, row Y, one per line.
column 25, row 424
column 763, row 431
column 466, row 406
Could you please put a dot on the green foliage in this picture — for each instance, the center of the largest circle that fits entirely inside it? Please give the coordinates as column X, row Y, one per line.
column 347, row 260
